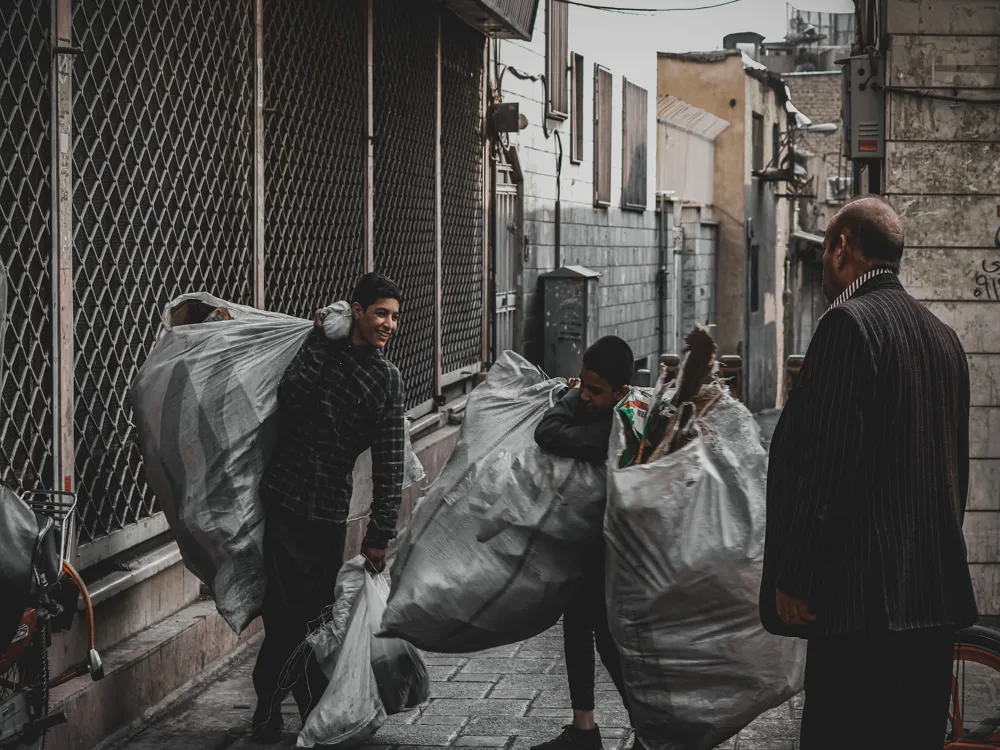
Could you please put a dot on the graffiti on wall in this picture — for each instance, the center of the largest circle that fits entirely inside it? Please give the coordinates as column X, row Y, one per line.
column 988, row 280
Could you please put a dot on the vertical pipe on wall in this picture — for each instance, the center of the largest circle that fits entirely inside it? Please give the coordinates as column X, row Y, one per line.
column 489, row 296
column 370, row 141
column 259, row 288
column 62, row 249
column 438, row 228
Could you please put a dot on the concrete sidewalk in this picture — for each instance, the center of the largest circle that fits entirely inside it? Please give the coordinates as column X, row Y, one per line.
column 512, row 697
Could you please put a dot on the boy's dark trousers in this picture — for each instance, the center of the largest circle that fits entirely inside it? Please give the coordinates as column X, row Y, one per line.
column 585, row 623
column 302, row 558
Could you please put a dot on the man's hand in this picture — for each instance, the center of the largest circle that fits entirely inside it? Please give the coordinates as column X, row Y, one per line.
column 318, row 319
column 574, row 383
column 791, row 610
column 376, row 557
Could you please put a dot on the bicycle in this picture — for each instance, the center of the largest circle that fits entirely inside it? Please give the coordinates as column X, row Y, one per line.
column 38, row 528
column 977, row 666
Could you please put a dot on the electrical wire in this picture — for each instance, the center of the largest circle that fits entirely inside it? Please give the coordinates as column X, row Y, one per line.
column 613, row 9
column 924, row 94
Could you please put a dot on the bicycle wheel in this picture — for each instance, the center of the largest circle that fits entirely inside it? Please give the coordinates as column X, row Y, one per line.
column 974, row 712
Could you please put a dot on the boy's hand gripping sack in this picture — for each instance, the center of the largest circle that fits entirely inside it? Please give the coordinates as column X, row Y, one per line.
column 685, row 546
column 495, row 549
column 370, row 677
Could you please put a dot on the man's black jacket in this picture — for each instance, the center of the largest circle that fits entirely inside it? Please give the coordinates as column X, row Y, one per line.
column 869, row 473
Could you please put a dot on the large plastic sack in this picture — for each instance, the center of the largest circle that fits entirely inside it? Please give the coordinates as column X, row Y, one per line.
column 685, row 547
column 494, row 551
column 370, row 677
column 205, row 403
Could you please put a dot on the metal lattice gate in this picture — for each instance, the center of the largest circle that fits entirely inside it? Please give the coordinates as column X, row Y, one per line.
column 461, row 195
column 162, row 204
column 26, row 242
column 157, row 196
column 315, row 58
column 405, row 81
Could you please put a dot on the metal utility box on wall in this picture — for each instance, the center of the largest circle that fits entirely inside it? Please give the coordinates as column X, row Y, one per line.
column 864, row 107
column 571, row 304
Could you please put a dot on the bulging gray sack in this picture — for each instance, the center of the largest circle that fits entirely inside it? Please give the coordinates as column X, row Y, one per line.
column 495, row 549
column 204, row 404
column 685, row 547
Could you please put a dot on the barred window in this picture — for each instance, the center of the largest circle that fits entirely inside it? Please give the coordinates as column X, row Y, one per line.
column 556, row 54
column 635, row 110
column 602, row 136
column 576, row 116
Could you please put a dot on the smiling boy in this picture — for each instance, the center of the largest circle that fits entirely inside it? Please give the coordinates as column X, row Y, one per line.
column 579, row 426
column 336, row 400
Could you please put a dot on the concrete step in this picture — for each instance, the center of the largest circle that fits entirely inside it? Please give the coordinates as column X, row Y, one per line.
column 143, row 673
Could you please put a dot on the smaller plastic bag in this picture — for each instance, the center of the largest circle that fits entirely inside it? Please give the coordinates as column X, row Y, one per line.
column 371, row 678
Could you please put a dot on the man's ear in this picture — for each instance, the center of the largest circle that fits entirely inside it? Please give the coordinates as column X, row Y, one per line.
column 842, row 252
column 356, row 309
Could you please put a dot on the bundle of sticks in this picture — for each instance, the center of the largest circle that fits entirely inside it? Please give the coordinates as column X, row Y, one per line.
column 670, row 422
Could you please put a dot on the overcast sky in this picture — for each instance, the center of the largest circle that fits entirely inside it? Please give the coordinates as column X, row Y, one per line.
column 701, row 29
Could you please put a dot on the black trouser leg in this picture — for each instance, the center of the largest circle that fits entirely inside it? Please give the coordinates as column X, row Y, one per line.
column 302, row 558
column 585, row 624
column 878, row 691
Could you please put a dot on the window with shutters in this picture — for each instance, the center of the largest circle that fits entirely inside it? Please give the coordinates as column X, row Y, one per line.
column 602, row 136
column 576, row 116
column 635, row 103
column 556, row 56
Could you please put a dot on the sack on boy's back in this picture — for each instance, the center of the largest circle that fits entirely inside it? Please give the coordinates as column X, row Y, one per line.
column 685, row 545
column 494, row 551
column 370, row 677
column 204, row 403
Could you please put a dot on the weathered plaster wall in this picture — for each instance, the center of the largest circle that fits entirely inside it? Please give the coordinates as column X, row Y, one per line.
column 943, row 175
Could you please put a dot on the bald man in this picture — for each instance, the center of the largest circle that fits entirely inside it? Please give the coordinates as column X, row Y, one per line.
column 867, row 485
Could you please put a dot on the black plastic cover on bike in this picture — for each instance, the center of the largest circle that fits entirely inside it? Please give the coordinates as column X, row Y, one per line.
column 19, row 529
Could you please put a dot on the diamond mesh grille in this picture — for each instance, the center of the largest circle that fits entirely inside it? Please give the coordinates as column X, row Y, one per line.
column 315, row 76
column 405, row 50
column 461, row 193
column 162, row 205
column 26, row 242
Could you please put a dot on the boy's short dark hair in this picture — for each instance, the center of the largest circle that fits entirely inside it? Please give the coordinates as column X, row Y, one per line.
column 612, row 359
column 375, row 286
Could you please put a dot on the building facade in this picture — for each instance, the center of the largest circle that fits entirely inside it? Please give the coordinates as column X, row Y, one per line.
column 942, row 173
column 585, row 165
column 751, row 209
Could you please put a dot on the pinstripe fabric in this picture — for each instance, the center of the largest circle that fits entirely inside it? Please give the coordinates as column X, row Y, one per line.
column 869, row 471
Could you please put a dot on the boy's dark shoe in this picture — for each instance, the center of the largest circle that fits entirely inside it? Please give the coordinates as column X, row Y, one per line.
column 266, row 729
column 574, row 739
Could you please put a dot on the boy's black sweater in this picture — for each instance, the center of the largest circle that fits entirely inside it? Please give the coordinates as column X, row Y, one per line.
column 564, row 432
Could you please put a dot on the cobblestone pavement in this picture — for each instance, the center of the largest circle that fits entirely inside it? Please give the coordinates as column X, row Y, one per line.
column 511, row 697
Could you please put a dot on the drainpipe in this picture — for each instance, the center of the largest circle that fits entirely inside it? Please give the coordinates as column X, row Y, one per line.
column 558, row 227
column 678, row 253
column 661, row 276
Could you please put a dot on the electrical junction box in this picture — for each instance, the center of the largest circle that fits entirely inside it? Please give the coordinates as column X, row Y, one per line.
column 571, row 304
column 864, row 106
